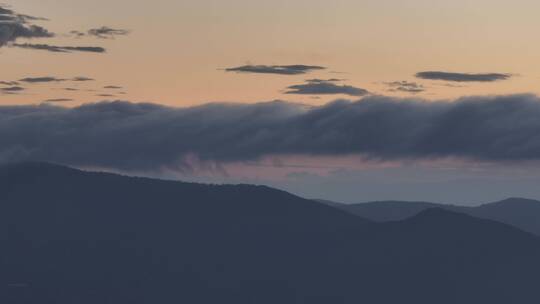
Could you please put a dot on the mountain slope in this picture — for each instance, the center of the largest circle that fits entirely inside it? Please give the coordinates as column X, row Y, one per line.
column 518, row 212
column 77, row 237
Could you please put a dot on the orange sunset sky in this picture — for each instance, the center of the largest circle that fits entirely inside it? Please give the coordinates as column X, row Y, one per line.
column 177, row 50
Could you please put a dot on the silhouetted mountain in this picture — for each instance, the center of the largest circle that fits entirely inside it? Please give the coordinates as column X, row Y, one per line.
column 384, row 211
column 518, row 212
column 77, row 237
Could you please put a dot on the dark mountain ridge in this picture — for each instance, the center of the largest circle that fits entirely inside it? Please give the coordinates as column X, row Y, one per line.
column 70, row 236
column 519, row 212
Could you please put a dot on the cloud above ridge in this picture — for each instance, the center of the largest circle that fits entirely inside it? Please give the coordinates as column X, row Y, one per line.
column 130, row 136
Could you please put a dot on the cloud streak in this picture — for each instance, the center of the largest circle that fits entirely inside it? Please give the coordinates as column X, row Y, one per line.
column 44, row 79
column 12, row 89
column 60, row 49
column 106, row 32
column 325, row 87
column 129, row 136
column 297, row 69
column 463, row 77
column 54, row 100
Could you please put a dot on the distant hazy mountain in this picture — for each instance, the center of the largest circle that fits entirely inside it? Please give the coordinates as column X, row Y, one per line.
column 76, row 237
column 518, row 212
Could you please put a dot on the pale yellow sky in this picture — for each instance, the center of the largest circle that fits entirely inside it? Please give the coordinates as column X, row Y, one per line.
column 177, row 48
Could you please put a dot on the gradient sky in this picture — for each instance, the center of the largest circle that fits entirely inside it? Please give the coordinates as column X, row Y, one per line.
column 177, row 48
column 177, row 51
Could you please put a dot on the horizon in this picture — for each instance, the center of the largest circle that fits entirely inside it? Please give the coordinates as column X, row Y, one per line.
column 165, row 179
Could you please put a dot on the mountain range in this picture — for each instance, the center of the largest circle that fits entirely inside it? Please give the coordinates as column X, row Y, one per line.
column 71, row 236
column 519, row 212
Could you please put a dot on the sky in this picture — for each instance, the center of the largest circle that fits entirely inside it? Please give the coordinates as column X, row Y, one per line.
column 434, row 96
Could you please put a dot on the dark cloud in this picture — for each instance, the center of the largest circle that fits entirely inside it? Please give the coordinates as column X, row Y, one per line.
column 14, row 26
column 406, row 86
column 463, row 77
column 276, row 69
column 325, row 87
column 60, row 49
column 41, row 79
column 54, row 79
column 82, row 78
column 54, row 100
column 12, row 89
column 105, row 95
column 70, row 89
column 106, row 32
column 112, row 87
column 131, row 136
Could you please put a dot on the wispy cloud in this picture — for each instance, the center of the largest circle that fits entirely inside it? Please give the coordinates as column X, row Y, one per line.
column 106, row 32
column 45, row 79
column 56, row 100
column 12, row 89
column 14, row 26
column 463, row 77
column 297, row 69
column 82, row 79
column 60, row 49
column 41, row 79
column 325, row 87
column 406, row 86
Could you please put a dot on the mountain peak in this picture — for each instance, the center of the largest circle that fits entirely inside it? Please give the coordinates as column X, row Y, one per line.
column 516, row 200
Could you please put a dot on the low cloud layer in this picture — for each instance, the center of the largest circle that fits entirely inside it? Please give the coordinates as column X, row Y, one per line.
column 463, row 77
column 297, row 69
column 129, row 136
column 325, row 87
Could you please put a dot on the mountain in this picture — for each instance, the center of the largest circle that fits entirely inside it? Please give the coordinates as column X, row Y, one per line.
column 518, row 212
column 70, row 236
